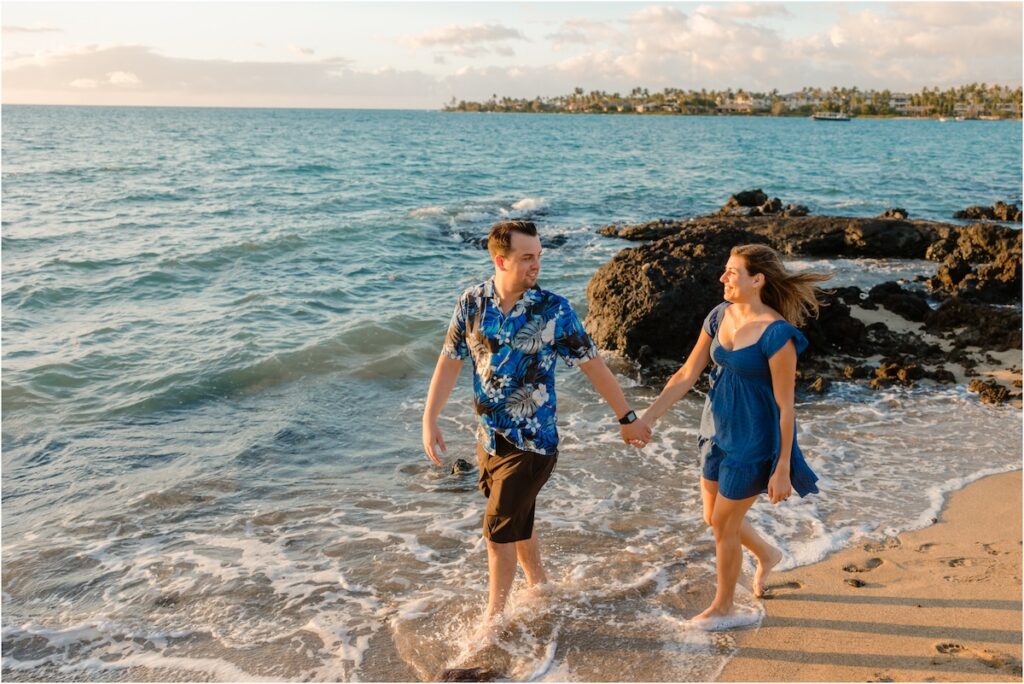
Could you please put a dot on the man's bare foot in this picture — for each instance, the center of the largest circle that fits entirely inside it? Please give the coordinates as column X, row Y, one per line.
column 763, row 568
column 715, row 620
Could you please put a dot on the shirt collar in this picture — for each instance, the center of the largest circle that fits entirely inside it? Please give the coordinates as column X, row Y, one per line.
column 531, row 295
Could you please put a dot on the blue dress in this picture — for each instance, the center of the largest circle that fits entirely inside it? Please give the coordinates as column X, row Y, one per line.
column 739, row 432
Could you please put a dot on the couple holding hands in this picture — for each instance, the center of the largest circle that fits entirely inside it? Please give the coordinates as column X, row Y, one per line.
column 514, row 331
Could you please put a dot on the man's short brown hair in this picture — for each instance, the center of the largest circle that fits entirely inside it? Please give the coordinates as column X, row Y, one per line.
column 500, row 239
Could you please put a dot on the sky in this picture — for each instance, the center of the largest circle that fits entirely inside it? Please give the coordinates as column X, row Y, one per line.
column 420, row 55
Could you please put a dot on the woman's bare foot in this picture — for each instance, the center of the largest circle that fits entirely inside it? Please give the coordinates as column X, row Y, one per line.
column 763, row 568
column 715, row 620
column 488, row 632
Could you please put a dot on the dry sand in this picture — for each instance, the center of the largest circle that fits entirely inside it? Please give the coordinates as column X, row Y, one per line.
column 938, row 604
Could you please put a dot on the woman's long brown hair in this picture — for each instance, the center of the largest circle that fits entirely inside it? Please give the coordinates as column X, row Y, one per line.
column 794, row 295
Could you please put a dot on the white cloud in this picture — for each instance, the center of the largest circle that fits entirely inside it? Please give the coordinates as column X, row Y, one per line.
column 456, row 36
column 122, row 78
column 100, row 74
column 38, row 28
column 753, row 10
column 585, row 31
column 467, row 42
column 905, row 45
column 902, row 46
column 301, row 51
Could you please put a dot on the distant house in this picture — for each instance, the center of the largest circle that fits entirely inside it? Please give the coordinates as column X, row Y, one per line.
column 967, row 109
column 917, row 110
column 741, row 104
column 797, row 100
column 899, row 102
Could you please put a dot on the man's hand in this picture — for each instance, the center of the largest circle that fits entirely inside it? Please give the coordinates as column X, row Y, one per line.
column 637, row 433
column 433, row 441
column 779, row 485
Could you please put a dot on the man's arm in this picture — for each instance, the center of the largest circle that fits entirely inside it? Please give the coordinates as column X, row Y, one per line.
column 637, row 433
column 446, row 372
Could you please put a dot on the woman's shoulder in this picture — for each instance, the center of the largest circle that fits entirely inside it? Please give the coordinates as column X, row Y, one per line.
column 777, row 333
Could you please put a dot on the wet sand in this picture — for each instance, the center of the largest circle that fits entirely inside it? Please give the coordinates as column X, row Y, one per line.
column 939, row 604
column 1003, row 367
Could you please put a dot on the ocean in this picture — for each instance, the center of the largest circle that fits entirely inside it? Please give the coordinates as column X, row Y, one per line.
column 219, row 326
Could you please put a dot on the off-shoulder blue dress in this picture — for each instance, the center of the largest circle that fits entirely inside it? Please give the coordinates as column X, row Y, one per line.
column 739, row 432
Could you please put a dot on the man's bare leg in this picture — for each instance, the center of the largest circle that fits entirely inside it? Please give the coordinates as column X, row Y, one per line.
column 501, row 564
column 528, row 553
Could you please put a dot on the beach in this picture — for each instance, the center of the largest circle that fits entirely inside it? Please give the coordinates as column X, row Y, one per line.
column 938, row 604
column 219, row 331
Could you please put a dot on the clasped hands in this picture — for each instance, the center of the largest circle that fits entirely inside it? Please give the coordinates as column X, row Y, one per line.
column 638, row 433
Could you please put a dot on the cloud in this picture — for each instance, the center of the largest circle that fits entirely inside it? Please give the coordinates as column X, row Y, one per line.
column 747, row 10
column 32, row 29
column 466, row 41
column 464, row 35
column 301, row 51
column 122, row 78
column 137, row 75
column 583, row 31
column 902, row 45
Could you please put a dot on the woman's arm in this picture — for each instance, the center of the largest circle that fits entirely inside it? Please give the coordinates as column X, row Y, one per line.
column 783, row 369
column 681, row 382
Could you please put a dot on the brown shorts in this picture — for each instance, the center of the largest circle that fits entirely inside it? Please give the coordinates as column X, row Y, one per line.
column 511, row 481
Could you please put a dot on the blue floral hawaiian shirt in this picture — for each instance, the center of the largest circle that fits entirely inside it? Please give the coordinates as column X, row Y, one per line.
column 514, row 362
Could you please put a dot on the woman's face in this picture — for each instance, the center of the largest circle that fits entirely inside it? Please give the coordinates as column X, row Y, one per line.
column 740, row 286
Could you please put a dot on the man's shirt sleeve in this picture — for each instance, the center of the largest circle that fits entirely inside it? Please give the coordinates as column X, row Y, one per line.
column 572, row 342
column 455, row 347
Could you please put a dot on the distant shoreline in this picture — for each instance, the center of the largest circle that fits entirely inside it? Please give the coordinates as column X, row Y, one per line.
column 764, row 115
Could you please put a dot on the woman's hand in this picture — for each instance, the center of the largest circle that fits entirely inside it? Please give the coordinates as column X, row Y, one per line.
column 779, row 486
column 648, row 417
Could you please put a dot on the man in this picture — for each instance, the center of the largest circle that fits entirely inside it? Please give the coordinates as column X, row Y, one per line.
column 513, row 330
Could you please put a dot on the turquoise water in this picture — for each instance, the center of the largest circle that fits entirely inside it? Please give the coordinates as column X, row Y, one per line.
column 219, row 327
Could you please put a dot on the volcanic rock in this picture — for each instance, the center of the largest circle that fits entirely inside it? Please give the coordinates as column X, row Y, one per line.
column 1001, row 211
column 981, row 262
column 657, row 295
column 910, row 305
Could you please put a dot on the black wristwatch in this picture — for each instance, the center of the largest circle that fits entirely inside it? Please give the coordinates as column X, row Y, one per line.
column 628, row 418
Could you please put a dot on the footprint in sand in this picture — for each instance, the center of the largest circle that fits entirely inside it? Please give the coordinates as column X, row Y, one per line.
column 887, row 543
column 984, row 565
column 925, row 548
column 948, row 647
column 869, row 564
column 997, row 661
column 1000, row 661
column 772, row 588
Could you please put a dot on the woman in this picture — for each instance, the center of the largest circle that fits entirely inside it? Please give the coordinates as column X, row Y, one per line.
column 748, row 432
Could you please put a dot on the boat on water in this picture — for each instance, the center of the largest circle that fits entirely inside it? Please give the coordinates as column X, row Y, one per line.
column 830, row 116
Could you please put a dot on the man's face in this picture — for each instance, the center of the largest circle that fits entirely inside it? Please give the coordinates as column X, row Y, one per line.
column 522, row 264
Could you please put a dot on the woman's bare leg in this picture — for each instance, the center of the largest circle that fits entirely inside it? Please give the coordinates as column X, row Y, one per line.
column 767, row 555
